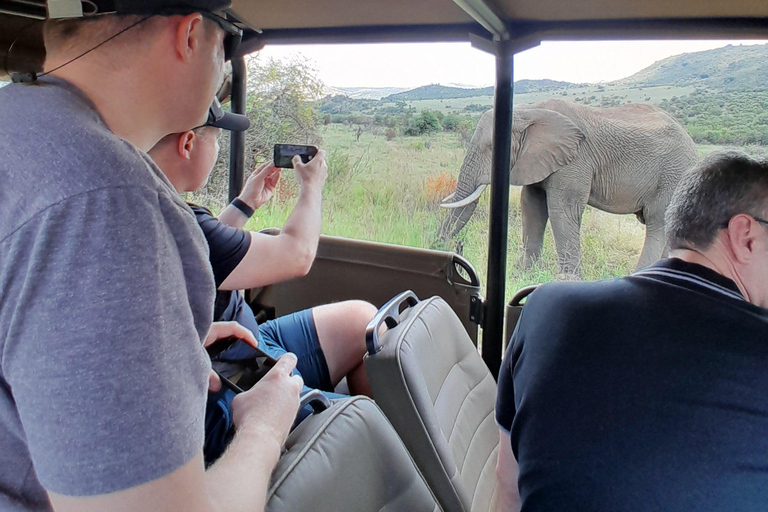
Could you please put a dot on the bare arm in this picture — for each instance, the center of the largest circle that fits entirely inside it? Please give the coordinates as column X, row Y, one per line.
column 507, row 494
column 258, row 189
column 271, row 259
column 236, row 482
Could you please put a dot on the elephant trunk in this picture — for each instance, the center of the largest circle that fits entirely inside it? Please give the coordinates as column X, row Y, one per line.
column 472, row 181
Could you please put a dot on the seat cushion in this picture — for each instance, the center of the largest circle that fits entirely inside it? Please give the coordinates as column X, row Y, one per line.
column 436, row 390
column 347, row 458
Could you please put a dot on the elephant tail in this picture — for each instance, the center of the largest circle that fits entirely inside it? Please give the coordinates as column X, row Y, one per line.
column 640, row 217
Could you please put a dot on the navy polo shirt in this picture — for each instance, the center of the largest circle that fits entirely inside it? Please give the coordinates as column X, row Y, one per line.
column 642, row 393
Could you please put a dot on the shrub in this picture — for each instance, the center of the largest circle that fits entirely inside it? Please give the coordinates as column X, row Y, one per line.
column 426, row 122
column 438, row 187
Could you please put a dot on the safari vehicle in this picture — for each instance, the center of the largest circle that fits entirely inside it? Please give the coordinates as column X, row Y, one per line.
column 353, row 269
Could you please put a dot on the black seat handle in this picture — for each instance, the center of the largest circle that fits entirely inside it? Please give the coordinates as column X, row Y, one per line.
column 315, row 399
column 389, row 314
column 521, row 294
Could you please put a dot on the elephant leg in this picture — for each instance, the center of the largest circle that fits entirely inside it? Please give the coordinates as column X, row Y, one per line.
column 654, row 246
column 565, row 210
column 533, row 209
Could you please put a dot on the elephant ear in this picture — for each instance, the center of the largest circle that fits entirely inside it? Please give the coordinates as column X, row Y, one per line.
column 548, row 141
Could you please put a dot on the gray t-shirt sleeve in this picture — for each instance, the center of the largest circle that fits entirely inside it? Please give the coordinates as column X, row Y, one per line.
column 103, row 357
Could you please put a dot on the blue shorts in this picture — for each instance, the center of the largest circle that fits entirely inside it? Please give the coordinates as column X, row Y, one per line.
column 294, row 333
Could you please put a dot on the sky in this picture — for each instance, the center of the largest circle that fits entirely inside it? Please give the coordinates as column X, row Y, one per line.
column 413, row 65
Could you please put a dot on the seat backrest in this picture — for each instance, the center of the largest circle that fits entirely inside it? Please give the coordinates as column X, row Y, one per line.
column 514, row 310
column 347, row 458
column 434, row 387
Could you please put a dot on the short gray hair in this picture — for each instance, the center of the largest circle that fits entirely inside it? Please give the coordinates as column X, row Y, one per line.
column 725, row 184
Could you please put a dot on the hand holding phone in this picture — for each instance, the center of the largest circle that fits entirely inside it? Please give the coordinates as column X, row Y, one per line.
column 242, row 372
column 284, row 154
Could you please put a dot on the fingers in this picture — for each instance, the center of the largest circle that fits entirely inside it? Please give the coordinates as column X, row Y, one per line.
column 220, row 330
column 262, row 168
column 285, row 364
column 214, row 382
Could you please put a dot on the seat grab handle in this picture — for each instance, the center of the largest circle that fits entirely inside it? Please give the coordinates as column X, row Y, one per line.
column 389, row 314
column 316, row 399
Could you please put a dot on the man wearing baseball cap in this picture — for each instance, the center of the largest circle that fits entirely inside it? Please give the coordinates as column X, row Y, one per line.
column 107, row 293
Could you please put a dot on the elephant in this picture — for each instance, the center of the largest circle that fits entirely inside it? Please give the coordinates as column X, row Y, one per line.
column 625, row 159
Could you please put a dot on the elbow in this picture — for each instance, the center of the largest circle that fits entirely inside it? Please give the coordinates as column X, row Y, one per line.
column 306, row 260
column 303, row 258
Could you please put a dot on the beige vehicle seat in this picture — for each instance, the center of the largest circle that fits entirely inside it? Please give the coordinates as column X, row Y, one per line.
column 432, row 384
column 347, row 458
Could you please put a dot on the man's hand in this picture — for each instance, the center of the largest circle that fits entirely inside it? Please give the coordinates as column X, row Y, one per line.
column 219, row 331
column 314, row 172
column 260, row 185
column 269, row 408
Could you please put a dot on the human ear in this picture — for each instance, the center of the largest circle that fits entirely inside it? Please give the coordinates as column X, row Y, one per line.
column 742, row 236
column 186, row 144
column 188, row 35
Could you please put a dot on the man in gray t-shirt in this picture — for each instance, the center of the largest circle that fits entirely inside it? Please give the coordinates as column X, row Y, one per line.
column 105, row 290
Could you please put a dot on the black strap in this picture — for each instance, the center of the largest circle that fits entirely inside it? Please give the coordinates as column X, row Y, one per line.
column 240, row 205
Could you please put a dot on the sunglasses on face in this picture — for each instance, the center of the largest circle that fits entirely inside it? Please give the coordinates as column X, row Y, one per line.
column 233, row 33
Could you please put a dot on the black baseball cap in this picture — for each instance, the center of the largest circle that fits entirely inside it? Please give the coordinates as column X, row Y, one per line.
column 218, row 118
column 150, row 7
column 211, row 9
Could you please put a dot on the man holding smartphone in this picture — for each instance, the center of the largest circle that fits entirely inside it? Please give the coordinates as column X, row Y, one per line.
column 329, row 340
column 106, row 288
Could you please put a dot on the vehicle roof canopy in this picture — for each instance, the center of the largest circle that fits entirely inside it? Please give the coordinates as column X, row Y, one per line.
column 319, row 21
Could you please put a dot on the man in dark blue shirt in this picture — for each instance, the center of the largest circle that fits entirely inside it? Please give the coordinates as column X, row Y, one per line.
column 650, row 392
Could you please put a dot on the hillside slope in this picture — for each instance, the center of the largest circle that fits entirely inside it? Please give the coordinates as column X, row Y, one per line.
column 730, row 68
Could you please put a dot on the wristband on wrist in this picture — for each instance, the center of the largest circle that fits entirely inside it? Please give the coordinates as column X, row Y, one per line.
column 240, row 205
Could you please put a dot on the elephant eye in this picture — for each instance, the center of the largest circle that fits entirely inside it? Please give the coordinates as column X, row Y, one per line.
column 522, row 136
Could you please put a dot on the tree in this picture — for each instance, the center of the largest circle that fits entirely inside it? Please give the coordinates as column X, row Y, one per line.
column 280, row 106
column 426, row 122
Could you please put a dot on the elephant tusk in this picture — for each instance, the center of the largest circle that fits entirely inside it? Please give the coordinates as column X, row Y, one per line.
column 448, row 197
column 471, row 198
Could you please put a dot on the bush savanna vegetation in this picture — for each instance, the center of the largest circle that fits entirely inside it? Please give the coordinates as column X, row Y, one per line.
column 391, row 160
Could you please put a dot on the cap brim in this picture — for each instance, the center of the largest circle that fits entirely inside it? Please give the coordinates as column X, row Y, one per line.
column 231, row 122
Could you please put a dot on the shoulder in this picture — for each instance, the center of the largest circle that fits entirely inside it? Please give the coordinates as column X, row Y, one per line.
column 202, row 214
column 567, row 304
column 55, row 146
column 580, row 293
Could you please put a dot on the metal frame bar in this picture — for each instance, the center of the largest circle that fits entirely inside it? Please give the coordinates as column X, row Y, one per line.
column 498, row 230
column 487, row 15
column 595, row 30
column 237, row 139
column 253, row 41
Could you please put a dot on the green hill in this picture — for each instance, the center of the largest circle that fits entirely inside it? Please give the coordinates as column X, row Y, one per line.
column 438, row 92
column 442, row 92
column 730, row 68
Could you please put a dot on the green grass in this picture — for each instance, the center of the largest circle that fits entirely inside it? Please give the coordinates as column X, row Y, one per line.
column 378, row 190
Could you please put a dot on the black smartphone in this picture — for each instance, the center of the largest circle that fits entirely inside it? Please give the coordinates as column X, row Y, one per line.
column 242, row 373
column 284, row 154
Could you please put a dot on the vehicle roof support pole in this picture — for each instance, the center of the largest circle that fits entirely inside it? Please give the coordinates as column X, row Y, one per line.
column 493, row 327
column 237, row 139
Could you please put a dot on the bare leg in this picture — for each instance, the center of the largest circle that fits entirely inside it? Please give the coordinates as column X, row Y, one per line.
column 341, row 332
